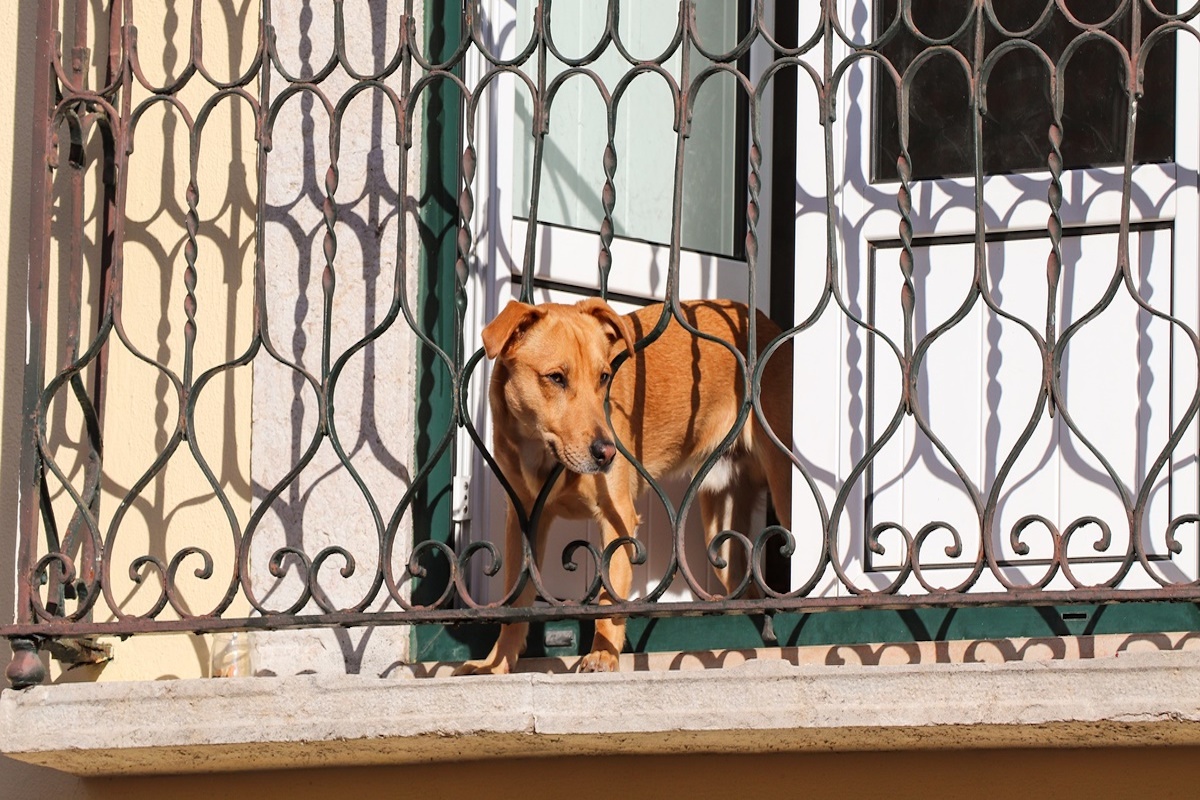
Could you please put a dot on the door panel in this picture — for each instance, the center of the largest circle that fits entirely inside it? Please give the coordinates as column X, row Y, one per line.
column 564, row 259
column 1127, row 372
column 979, row 386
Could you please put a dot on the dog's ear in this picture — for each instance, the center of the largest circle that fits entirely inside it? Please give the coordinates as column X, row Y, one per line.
column 617, row 327
column 509, row 324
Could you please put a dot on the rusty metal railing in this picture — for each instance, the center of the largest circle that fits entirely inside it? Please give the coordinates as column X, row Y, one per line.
column 423, row 98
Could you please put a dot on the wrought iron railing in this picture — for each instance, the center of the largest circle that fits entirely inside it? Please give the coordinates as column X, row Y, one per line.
column 432, row 86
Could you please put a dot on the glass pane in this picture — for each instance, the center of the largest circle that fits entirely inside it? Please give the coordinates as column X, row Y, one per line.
column 572, row 178
column 1019, row 114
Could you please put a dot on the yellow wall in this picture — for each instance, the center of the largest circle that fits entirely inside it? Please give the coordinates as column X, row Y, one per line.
column 178, row 508
column 141, row 409
column 1162, row 773
column 223, row 209
column 16, row 55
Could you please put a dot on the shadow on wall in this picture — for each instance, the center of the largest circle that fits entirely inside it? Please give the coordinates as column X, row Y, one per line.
column 339, row 230
column 185, row 336
column 168, row 332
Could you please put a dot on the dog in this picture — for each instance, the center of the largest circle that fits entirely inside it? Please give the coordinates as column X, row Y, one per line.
column 672, row 404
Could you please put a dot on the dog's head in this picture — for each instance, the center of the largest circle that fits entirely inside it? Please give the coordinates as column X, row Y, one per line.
column 554, row 364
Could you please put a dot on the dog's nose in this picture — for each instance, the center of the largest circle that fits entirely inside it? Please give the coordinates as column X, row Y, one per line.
column 603, row 451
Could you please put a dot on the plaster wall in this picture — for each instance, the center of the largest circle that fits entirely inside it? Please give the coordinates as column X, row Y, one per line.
column 267, row 400
column 175, row 506
column 1066, row 774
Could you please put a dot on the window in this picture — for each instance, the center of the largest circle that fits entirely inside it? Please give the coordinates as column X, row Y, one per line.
column 1019, row 108
column 644, row 140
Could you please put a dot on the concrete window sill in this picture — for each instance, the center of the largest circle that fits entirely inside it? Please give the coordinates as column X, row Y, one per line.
column 1064, row 692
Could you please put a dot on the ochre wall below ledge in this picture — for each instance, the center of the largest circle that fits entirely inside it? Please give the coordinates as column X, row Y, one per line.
column 1063, row 774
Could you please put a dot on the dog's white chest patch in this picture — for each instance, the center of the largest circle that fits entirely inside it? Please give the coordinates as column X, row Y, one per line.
column 723, row 475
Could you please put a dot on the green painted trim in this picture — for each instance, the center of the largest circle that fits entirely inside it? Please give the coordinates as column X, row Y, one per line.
column 440, row 135
column 671, row 634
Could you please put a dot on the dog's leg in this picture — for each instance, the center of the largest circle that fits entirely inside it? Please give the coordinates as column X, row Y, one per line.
column 778, row 468
column 619, row 520
column 772, row 461
column 716, row 513
column 511, row 643
column 730, row 508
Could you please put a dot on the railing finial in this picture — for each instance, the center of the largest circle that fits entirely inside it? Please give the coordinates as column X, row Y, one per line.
column 26, row 667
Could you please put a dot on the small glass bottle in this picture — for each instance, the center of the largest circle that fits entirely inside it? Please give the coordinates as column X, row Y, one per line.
column 231, row 655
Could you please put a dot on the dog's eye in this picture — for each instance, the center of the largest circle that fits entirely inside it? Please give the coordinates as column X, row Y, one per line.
column 604, row 376
column 557, row 378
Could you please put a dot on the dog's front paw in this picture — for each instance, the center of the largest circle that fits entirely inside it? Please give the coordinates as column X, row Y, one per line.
column 600, row 661
column 487, row 666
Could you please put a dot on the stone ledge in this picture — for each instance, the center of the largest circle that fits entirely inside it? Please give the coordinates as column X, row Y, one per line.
column 763, row 705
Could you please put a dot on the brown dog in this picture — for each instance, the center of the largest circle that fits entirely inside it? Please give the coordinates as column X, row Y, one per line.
column 672, row 405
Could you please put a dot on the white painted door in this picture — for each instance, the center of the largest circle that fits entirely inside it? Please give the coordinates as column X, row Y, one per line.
column 1127, row 375
column 566, row 255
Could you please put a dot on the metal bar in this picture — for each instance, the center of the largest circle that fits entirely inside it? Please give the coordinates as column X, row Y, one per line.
column 26, row 668
column 592, row 611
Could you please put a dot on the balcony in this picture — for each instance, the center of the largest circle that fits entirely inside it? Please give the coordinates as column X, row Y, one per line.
column 265, row 245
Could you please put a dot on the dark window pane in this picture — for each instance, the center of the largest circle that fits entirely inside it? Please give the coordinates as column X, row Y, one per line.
column 1019, row 111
